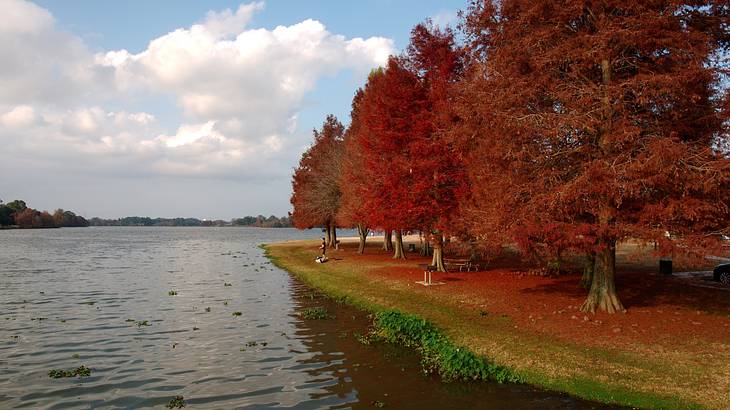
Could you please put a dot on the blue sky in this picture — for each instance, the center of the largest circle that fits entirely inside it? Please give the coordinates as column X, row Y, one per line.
column 132, row 24
column 180, row 108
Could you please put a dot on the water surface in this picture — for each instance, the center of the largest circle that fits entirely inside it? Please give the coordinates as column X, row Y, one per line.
column 100, row 297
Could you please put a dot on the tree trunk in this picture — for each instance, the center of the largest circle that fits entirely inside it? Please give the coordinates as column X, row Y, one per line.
column 587, row 279
column 398, row 248
column 603, row 295
column 362, row 231
column 334, row 243
column 327, row 235
column 387, row 240
column 425, row 247
column 438, row 252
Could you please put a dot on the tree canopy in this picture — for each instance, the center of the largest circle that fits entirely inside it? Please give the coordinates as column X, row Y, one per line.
column 554, row 126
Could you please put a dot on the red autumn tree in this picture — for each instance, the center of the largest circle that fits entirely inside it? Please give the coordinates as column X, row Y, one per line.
column 602, row 117
column 438, row 62
column 315, row 184
column 32, row 218
column 410, row 173
column 392, row 112
column 352, row 179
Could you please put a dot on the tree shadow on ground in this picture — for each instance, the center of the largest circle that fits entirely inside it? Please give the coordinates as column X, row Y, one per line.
column 642, row 289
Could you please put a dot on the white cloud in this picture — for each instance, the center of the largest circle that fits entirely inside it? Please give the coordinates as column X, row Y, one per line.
column 226, row 22
column 20, row 116
column 238, row 89
column 444, row 18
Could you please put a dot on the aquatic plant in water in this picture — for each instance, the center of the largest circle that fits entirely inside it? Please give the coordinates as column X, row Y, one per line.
column 172, row 293
column 207, row 309
column 438, row 353
column 315, row 313
column 227, row 284
column 237, row 313
column 81, row 371
column 143, row 323
column 177, row 402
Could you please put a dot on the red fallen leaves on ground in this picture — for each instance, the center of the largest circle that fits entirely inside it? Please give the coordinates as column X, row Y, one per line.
column 661, row 311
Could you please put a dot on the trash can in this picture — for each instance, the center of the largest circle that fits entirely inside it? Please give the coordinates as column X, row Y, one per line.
column 665, row 266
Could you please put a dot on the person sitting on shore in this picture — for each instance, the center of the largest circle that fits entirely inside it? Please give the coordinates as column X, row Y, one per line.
column 322, row 258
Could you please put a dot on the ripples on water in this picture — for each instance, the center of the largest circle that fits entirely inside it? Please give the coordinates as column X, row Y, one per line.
column 76, row 296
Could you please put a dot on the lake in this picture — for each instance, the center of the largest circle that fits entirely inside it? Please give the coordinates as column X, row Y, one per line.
column 154, row 313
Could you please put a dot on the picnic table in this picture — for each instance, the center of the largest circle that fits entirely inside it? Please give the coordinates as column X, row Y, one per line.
column 462, row 264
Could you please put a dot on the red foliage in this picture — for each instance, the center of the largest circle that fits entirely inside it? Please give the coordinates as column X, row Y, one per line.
column 597, row 116
column 316, row 189
column 401, row 173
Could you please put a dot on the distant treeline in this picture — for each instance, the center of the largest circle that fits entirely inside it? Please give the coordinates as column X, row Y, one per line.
column 18, row 215
column 255, row 221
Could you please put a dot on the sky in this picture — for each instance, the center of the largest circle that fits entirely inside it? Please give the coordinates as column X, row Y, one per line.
column 181, row 108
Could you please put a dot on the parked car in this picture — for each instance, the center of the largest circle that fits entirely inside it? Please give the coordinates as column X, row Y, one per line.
column 721, row 273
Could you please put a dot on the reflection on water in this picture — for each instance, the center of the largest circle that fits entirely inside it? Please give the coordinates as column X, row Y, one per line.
column 81, row 296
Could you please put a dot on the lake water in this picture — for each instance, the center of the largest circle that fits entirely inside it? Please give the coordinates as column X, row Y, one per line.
column 99, row 297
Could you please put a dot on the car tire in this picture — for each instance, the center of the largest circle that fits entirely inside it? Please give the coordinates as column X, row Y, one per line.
column 725, row 278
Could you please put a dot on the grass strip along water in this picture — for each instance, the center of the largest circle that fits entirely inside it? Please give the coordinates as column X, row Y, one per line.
column 451, row 345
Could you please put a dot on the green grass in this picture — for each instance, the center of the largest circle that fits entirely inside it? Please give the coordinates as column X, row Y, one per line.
column 495, row 349
column 314, row 313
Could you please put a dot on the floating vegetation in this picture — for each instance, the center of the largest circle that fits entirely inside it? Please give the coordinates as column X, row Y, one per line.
column 177, row 402
column 38, row 318
column 237, row 313
column 264, row 344
column 172, row 293
column 207, row 309
column 141, row 323
column 195, row 328
column 90, row 303
column 81, row 371
column 243, row 349
column 174, row 345
column 62, row 320
column 76, row 356
column 227, row 284
column 379, row 404
column 252, row 344
column 315, row 313
column 129, row 320
column 225, row 303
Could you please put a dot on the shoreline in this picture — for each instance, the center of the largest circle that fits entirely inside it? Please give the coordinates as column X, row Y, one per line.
column 606, row 375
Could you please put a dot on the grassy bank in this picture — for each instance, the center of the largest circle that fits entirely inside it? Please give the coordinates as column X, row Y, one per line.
column 663, row 379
